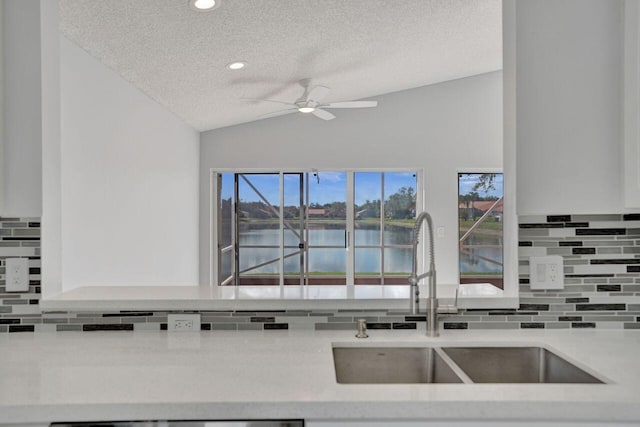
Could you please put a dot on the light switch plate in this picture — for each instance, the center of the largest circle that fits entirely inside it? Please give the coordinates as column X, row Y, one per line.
column 16, row 274
column 546, row 272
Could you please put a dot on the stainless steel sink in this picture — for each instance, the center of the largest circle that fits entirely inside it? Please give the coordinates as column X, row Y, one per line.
column 406, row 365
column 391, row 365
column 516, row 365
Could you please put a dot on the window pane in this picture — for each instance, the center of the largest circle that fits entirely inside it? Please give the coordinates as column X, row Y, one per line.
column 327, row 233
column 292, row 263
column 399, row 207
column 327, row 209
column 258, row 233
column 291, row 190
column 400, row 195
column 327, row 262
column 250, row 257
column 367, row 196
column 480, row 209
column 290, row 237
column 398, row 232
column 326, row 226
column 259, row 223
column 226, row 209
column 397, row 261
column 226, row 267
column 292, row 230
column 367, row 261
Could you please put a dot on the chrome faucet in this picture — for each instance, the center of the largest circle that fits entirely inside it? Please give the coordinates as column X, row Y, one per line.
column 414, row 292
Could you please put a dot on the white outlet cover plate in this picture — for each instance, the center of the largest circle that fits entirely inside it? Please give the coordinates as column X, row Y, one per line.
column 16, row 274
column 174, row 318
column 546, row 272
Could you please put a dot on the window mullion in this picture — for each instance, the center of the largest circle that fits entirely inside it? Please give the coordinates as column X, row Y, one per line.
column 350, row 218
column 382, row 228
column 306, row 228
column 281, row 213
column 236, row 230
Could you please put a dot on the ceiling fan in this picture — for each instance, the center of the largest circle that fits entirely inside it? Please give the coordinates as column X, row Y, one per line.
column 311, row 102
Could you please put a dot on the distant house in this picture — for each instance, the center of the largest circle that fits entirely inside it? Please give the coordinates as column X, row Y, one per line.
column 477, row 208
column 317, row 212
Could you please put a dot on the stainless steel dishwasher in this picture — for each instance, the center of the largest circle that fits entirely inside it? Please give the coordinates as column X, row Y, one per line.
column 265, row 423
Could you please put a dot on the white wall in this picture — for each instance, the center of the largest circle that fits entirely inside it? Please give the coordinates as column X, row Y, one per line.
column 2, row 108
column 22, row 122
column 51, row 234
column 441, row 128
column 569, row 106
column 129, row 213
column 509, row 118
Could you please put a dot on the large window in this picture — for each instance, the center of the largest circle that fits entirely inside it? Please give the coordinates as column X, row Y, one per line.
column 327, row 227
column 384, row 212
column 480, row 214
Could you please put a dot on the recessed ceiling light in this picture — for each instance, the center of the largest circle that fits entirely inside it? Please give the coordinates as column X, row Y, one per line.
column 237, row 65
column 204, row 5
column 306, row 109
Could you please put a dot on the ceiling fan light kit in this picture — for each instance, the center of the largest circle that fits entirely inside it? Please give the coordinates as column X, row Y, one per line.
column 204, row 5
column 310, row 102
column 237, row 65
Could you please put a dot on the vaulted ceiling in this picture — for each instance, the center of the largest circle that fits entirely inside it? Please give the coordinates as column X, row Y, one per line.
column 357, row 48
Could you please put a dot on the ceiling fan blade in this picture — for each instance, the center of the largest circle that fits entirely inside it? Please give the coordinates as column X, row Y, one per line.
column 316, row 93
column 324, row 115
column 351, row 104
column 269, row 100
column 277, row 113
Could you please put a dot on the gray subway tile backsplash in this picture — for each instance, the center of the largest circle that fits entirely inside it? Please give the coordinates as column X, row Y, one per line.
column 602, row 288
column 249, row 327
column 227, row 326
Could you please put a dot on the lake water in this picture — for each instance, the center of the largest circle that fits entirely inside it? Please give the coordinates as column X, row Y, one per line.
column 472, row 264
column 367, row 260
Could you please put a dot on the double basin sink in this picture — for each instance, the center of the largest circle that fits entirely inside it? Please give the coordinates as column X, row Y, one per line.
column 452, row 364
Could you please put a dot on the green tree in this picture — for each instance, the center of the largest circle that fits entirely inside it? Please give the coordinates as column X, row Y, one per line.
column 485, row 182
column 401, row 205
column 465, row 200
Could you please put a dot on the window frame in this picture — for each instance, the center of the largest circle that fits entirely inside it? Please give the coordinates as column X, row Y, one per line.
column 350, row 172
column 479, row 171
column 382, row 246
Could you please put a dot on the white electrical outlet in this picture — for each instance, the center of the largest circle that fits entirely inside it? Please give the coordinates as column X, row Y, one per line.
column 182, row 322
column 17, row 274
column 546, row 272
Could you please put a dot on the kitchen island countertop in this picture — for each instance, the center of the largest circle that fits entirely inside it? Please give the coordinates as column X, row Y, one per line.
column 94, row 376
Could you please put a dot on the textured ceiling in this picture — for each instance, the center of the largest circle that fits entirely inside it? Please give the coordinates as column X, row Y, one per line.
column 358, row 48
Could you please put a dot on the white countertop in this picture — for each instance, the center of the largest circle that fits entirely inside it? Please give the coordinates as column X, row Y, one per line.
column 76, row 376
column 89, row 298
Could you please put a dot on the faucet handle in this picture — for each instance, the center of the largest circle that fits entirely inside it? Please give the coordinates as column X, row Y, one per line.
column 362, row 329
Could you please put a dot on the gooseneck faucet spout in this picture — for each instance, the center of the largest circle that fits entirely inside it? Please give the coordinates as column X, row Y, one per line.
column 414, row 292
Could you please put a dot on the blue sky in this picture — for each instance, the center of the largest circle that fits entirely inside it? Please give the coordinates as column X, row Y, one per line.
column 332, row 186
column 467, row 181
